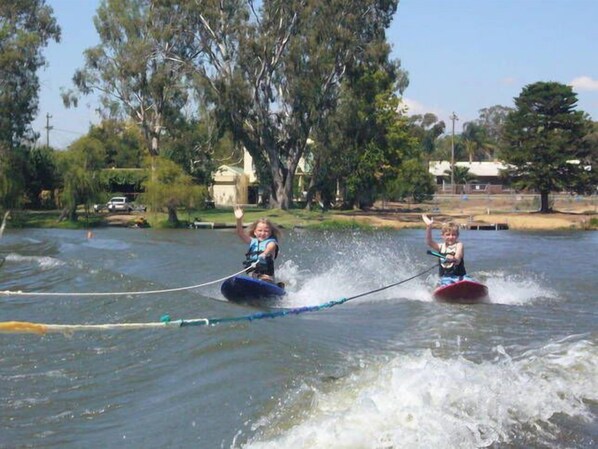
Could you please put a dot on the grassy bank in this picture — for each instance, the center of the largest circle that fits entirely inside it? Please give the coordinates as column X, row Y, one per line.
column 286, row 219
column 519, row 212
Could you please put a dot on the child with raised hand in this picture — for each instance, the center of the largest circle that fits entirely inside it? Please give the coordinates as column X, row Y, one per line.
column 262, row 236
column 451, row 265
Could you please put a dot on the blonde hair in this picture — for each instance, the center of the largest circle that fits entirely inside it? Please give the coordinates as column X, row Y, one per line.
column 451, row 226
column 274, row 229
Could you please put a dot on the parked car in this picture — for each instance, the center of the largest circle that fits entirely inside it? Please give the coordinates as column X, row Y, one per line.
column 119, row 204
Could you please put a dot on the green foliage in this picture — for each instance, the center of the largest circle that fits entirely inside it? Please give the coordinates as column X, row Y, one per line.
column 493, row 120
column 371, row 134
column 413, row 181
column 544, row 135
column 41, row 174
column 273, row 72
column 123, row 179
column 170, row 188
column 12, row 182
column 26, row 26
column 426, row 129
column 79, row 167
column 129, row 68
column 461, row 175
column 122, row 141
column 475, row 141
column 192, row 144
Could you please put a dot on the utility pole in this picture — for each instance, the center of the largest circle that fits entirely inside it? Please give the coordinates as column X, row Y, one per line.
column 48, row 128
column 453, row 117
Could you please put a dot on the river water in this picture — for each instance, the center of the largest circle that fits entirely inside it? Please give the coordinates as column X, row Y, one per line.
column 387, row 370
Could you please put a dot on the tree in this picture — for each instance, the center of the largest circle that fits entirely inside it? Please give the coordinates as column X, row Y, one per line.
column 26, row 27
column 80, row 168
column 123, row 142
column 413, row 181
column 12, row 181
column 274, row 73
column 545, row 141
column 41, row 174
column 474, row 140
column 460, row 176
column 191, row 146
column 172, row 188
column 369, row 130
column 493, row 119
column 427, row 129
column 130, row 70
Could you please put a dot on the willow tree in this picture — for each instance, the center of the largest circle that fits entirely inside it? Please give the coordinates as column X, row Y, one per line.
column 80, row 168
column 129, row 70
column 172, row 188
column 273, row 72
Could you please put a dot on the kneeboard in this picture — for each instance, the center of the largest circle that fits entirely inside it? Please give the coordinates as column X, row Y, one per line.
column 464, row 291
column 251, row 291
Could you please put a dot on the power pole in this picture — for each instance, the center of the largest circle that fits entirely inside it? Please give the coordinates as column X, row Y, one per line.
column 453, row 117
column 48, row 128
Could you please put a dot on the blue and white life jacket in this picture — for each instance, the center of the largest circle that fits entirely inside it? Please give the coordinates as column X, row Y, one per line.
column 256, row 248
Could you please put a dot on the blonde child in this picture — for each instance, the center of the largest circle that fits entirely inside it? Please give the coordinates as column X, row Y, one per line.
column 262, row 237
column 452, row 265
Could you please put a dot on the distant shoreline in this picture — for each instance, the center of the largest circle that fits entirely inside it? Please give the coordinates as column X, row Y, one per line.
column 517, row 212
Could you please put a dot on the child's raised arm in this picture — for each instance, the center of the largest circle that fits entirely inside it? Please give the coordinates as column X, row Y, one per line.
column 429, row 240
column 239, row 227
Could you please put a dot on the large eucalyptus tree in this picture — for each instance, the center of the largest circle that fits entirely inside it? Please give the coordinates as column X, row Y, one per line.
column 272, row 69
column 129, row 68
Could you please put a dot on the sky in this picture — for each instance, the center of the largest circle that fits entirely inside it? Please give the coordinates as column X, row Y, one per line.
column 461, row 56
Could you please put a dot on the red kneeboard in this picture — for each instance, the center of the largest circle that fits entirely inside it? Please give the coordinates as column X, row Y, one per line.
column 465, row 292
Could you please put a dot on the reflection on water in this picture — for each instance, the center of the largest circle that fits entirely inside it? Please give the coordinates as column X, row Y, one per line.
column 392, row 369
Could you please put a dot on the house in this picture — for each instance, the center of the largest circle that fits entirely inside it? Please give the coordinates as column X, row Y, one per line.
column 487, row 176
column 230, row 186
column 236, row 185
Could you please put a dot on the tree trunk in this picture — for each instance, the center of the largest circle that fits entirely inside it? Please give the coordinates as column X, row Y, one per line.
column 282, row 185
column 172, row 216
column 544, row 205
column 68, row 213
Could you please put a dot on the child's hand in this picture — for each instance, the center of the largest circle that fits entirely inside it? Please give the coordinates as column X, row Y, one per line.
column 427, row 220
column 238, row 212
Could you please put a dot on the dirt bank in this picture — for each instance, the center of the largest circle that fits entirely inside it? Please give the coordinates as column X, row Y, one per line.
column 569, row 213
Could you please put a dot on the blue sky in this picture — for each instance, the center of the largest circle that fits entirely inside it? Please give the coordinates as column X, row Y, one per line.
column 461, row 55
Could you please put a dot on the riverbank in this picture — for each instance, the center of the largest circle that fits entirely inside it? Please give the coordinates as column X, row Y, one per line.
column 512, row 212
column 518, row 212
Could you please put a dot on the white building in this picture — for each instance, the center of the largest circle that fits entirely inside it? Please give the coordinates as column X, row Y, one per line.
column 486, row 174
column 236, row 185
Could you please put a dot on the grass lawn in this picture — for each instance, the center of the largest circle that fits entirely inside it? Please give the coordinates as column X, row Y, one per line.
column 284, row 218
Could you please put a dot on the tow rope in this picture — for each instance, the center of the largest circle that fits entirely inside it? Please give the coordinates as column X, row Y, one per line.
column 24, row 327
column 132, row 293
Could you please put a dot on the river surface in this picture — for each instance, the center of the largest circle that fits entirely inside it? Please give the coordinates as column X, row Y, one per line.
column 392, row 369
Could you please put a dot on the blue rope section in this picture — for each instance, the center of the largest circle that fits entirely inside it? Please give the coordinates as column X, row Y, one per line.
column 286, row 312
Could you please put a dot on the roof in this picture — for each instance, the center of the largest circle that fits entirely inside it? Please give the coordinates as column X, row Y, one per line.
column 230, row 169
column 438, row 168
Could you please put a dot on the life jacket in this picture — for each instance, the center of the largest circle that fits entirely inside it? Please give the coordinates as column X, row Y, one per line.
column 449, row 268
column 255, row 249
